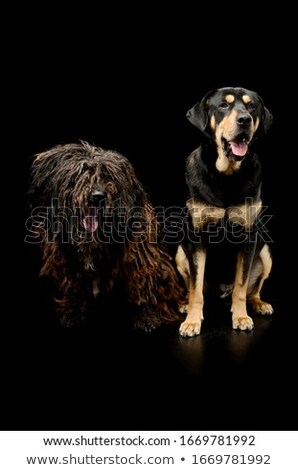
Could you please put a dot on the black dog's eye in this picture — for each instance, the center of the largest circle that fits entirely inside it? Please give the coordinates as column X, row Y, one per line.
column 224, row 105
column 251, row 106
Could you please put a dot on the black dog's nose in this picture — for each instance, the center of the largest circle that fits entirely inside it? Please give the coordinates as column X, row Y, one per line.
column 97, row 197
column 244, row 119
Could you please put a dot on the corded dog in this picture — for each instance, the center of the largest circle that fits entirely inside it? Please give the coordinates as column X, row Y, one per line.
column 98, row 230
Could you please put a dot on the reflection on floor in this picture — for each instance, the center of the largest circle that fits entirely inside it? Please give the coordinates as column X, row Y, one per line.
column 102, row 375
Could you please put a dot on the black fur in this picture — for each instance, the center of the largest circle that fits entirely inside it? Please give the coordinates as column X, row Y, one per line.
column 209, row 185
column 224, row 174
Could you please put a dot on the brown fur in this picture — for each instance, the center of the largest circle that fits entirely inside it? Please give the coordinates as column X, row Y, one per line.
column 85, row 262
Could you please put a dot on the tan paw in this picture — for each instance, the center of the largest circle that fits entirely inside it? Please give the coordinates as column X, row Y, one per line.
column 243, row 323
column 262, row 308
column 189, row 328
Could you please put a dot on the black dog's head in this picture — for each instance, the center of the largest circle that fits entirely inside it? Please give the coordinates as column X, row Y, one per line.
column 231, row 117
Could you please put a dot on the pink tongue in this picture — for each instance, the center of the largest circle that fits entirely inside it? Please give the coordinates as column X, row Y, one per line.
column 239, row 148
column 90, row 223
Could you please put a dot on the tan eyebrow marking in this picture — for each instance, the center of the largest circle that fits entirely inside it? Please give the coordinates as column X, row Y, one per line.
column 246, row 99
column 230, row 98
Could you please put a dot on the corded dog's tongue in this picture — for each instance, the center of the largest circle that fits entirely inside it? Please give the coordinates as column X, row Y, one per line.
column 239, row 148
column 90, row 222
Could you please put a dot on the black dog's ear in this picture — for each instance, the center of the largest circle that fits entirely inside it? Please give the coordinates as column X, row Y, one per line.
column 267, row 117
column 198, row 114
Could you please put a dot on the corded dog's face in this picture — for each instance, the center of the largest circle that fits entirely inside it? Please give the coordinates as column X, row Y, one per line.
column 83, row 187
column 231, row 117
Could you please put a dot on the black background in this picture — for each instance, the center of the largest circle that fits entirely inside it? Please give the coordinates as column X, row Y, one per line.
column 127, row 85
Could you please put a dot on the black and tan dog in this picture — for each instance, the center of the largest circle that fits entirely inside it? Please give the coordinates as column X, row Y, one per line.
column 224, row 180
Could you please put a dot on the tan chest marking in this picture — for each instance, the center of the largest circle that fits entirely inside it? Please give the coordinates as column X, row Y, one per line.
column 203, row 214
column 245, row 214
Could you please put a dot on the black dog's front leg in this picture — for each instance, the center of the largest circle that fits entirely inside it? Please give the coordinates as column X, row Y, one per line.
column 193, row 322
column 245, row 257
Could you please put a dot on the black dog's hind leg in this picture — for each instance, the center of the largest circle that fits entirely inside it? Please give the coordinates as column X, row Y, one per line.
column 259, row 273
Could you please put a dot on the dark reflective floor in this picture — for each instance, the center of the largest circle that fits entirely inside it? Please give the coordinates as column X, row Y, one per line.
column 104, row 375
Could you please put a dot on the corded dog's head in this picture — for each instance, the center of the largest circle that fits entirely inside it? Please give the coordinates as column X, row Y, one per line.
column 231, row 117
column 78, row 183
